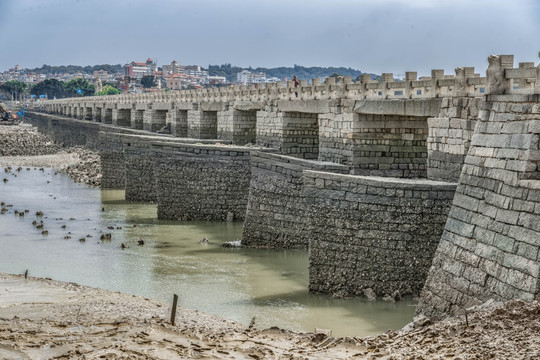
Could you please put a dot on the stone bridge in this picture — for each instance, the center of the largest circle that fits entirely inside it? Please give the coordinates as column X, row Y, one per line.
column 363, row 174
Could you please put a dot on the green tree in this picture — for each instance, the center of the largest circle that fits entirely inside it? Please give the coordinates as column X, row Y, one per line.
column 112, row 84
column 13, row 88
column 148, row 81
column 108, row 90
column 51, row 87
column 79, row 87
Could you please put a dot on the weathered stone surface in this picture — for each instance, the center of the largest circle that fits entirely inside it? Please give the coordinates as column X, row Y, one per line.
column 201, row 182
column 372, row 233
column 276, row 214
column 402, row 107
column 489, row 249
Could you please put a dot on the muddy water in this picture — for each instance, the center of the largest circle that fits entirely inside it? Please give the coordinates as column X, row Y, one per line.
column 237, row 284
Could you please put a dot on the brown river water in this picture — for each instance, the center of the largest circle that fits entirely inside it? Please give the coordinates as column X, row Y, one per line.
column 238, row 284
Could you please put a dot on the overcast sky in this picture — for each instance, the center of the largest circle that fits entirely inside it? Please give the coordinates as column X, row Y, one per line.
column 370, row 35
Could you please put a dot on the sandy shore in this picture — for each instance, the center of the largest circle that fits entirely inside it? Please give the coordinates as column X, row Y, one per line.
column 47, row 319
column 58, row 161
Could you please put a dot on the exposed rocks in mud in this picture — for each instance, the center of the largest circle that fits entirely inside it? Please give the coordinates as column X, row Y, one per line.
column 498, row 331
column 88, row 169
column 23, row 140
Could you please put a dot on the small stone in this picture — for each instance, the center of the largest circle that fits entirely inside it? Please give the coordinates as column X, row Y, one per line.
column 370, row 294
column 421, row 321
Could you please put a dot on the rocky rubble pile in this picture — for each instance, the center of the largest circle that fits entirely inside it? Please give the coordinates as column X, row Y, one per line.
column 491, row 331
column 25, row 140
column 88, row 169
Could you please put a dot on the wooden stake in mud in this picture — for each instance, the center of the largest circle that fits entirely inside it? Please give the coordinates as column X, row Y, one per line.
column 173, row 311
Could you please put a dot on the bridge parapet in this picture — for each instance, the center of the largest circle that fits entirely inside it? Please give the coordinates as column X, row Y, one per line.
column 501, row 77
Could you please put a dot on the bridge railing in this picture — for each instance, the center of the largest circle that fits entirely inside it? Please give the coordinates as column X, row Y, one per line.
column 501, row 78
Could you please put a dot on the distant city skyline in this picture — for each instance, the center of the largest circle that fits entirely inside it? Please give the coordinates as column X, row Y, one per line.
column 372, row 36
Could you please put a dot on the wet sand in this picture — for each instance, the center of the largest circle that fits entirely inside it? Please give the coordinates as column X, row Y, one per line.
column 47, row 319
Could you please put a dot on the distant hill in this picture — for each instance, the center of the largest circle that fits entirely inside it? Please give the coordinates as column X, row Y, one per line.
column 227, row 70
column 301, row 72
column 73, row 69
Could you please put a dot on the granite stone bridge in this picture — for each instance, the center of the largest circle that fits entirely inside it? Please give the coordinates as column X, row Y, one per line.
column 386, row 183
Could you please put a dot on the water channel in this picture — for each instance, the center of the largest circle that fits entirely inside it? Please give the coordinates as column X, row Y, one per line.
column 236, row 284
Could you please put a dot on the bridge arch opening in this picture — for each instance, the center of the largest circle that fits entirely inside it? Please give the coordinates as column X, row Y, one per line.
column 123, row 117
column 107, row 117
column 88, row 113
column 97, row 114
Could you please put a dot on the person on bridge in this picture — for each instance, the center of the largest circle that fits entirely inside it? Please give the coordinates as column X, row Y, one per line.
column 296, row 84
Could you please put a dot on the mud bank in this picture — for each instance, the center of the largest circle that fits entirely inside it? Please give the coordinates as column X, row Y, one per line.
column 47, row 319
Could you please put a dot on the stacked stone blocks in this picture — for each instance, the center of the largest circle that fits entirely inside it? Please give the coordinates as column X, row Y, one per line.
column 489, row 248
column 369, row 232
column 276, row 214
column 201, row 182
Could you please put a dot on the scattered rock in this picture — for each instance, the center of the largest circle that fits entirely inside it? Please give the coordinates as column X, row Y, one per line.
column 370, row 294
column 326, row 332
column 421, row 321
column 232, row 244
column 24, row 140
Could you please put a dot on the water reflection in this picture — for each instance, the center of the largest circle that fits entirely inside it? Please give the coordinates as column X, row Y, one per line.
column 234, row 283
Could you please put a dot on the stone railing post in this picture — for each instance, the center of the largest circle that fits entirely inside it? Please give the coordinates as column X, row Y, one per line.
column 460, row 85
column 410, row 76
column 364, row 80
column 386, row 78
column 497, row 83
column 436, row 74
column 524, row 83
column 537, row 82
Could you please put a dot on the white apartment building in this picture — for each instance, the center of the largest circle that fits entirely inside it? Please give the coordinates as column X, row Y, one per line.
column 247, row 77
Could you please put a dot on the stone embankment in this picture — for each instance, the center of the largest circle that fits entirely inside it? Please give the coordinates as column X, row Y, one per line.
column 23, row 145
